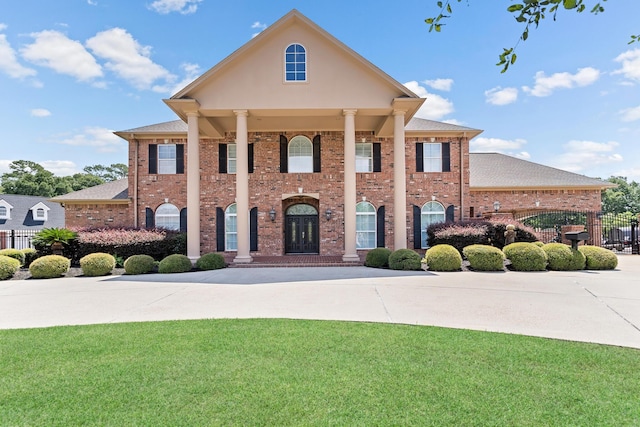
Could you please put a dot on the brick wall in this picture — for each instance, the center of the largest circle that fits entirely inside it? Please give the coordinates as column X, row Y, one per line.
column 97, row 215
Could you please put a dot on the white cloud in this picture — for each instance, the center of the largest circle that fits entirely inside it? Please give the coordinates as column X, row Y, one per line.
column 184, row 7
column 60, row 167
column 583, row 155
column 55, row 50
column 40, row 112
column 3, row 26
column 630, row 64
column 191, row 72
column 630, row 114
column 127, row 58
column 101, row 138
column 435, row 107
column 92, row 2
column 546, row 85
column 4, row 166
column 258, row 26
column 9, row 62
column 497, row 145
column 632, row 174
column 500, row 96
column 439, row 84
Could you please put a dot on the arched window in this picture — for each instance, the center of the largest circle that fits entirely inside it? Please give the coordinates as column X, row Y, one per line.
column 300, row 154
column 168, row 216
column 365, row 226
column 40, row 213
column 231, row 228
column 295, row 63
column 432, row 213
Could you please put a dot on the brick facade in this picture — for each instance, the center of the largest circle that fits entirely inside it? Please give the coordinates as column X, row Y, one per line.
column 97, row 215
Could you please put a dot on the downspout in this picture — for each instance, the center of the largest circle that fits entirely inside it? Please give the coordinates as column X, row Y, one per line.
column 135, row 182
column 464, row 135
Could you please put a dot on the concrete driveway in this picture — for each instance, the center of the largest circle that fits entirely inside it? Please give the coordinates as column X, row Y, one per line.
column 591, row 306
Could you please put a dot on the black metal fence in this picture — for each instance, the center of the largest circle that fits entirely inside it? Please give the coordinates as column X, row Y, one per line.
column 16, row 239
column 616, row 232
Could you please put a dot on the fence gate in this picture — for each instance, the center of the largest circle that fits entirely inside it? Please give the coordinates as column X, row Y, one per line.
column 16, row 239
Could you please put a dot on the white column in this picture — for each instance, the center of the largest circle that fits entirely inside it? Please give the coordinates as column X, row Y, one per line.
column 193, row 187
column 350, row 253
column 399, row 183
column 242, row 187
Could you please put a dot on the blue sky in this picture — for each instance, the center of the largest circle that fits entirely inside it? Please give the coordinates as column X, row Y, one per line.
column 74, row 71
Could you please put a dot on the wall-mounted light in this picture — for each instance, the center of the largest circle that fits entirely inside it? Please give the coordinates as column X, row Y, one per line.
column 328, row 214
column 496, row 206
column 272, row 214
column 433, row 198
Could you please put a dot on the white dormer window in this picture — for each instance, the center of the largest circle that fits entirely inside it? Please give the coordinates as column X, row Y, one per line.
column 5, row 210
column 40, row 212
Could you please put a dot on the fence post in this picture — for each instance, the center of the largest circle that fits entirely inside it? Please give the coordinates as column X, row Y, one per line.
column 13, row 239
column 634, row 237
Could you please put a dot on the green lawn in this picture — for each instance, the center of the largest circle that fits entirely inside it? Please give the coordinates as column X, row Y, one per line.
column 286, row 372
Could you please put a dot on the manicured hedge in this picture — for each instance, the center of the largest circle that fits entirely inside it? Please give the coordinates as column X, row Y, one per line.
column 526, row 256
column 443, row 258
column 378, row 258
column 405, row 259
column 564, row 258
column 484, row 257
column 598, row 258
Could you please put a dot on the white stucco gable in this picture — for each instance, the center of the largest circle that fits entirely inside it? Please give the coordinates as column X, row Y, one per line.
column 40, row 212
column 5, row 209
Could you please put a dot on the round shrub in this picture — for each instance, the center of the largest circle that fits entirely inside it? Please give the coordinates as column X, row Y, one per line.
column 14, row 253
column 139, row 264
column 29, row 255
column 49, row 266
column 404, row 259
column 175, row 263
column 443, row 258
column 8, row 267
column 599, row 258
column 562, row 257
column 484, row 257
column 378, row 258
column 211, row 261
column 98, row 264
column 526, row 256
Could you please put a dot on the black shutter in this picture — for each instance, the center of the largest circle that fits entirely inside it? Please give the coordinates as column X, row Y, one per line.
column 446, row 157
column 419, row 157
column 179, row 158
column 220, row 230
column 253, row 229
column 251, row 159
column 183, row 220
column 222, row 158
column 417, row 231
column 450, row 213
column 153, row 158
column 284, row 155
column 377, row 157
column 150, row 218
column 316, row 153
column 380, row 227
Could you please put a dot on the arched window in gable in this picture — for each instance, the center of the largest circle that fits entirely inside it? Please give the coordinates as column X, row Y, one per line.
column 295, row 63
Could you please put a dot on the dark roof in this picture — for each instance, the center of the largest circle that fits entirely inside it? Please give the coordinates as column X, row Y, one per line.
column 499, row 171
column 114, row 191
column 22, row 216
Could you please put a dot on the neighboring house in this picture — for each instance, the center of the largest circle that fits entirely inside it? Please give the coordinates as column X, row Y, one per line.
column 293, row 144
column 22, row 216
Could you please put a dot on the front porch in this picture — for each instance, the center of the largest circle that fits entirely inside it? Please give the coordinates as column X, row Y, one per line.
column 294, row 261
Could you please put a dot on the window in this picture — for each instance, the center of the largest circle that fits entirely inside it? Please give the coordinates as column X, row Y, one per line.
column 295, row 63
column 364, row 157
column 3, row 211
column 365, row 226
column 40, row 213
column 300, row 155
column 167, row 216
column 231, row 228
column 167, row 159
column 432, row 155
column 231, row 158
column 432, row 213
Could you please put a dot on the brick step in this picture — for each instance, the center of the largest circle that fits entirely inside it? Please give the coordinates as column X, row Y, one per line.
column 295, row 261
column 297, row 264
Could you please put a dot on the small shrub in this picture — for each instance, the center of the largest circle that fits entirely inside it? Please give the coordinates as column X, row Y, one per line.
column 538, row 244
column 564, row 258
column 526, row 256
column 49, row 266
column 14, row 253
column 139, row 264
column 599, row 258
column 175, row 263
column 211, row 261
column 404, row 259
column 443, row 258
column 29, row 255
column 8, row 267
column 98, row 264
column 484, row 258
column 378, row 258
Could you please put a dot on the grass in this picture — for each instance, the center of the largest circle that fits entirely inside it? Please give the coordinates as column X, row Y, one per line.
column 286, row 372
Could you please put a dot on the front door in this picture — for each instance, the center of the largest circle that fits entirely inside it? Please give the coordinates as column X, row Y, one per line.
column 301, row 230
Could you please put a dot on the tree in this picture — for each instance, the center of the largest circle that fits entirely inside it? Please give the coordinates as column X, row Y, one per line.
column 624, row 198
column 28, row 178
column 529, row 13
column 112, row 172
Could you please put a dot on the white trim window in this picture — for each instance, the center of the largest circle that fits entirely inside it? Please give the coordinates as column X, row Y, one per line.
column 300, row 155
column 167, row 216
column 167, row 158
column 231, row 158
column 295, row 63
column 40, row 214
column 365, row 226
column 432, row 213
column 432, row 155
column 231, row 228
column 364, row 157
column 5, row 210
